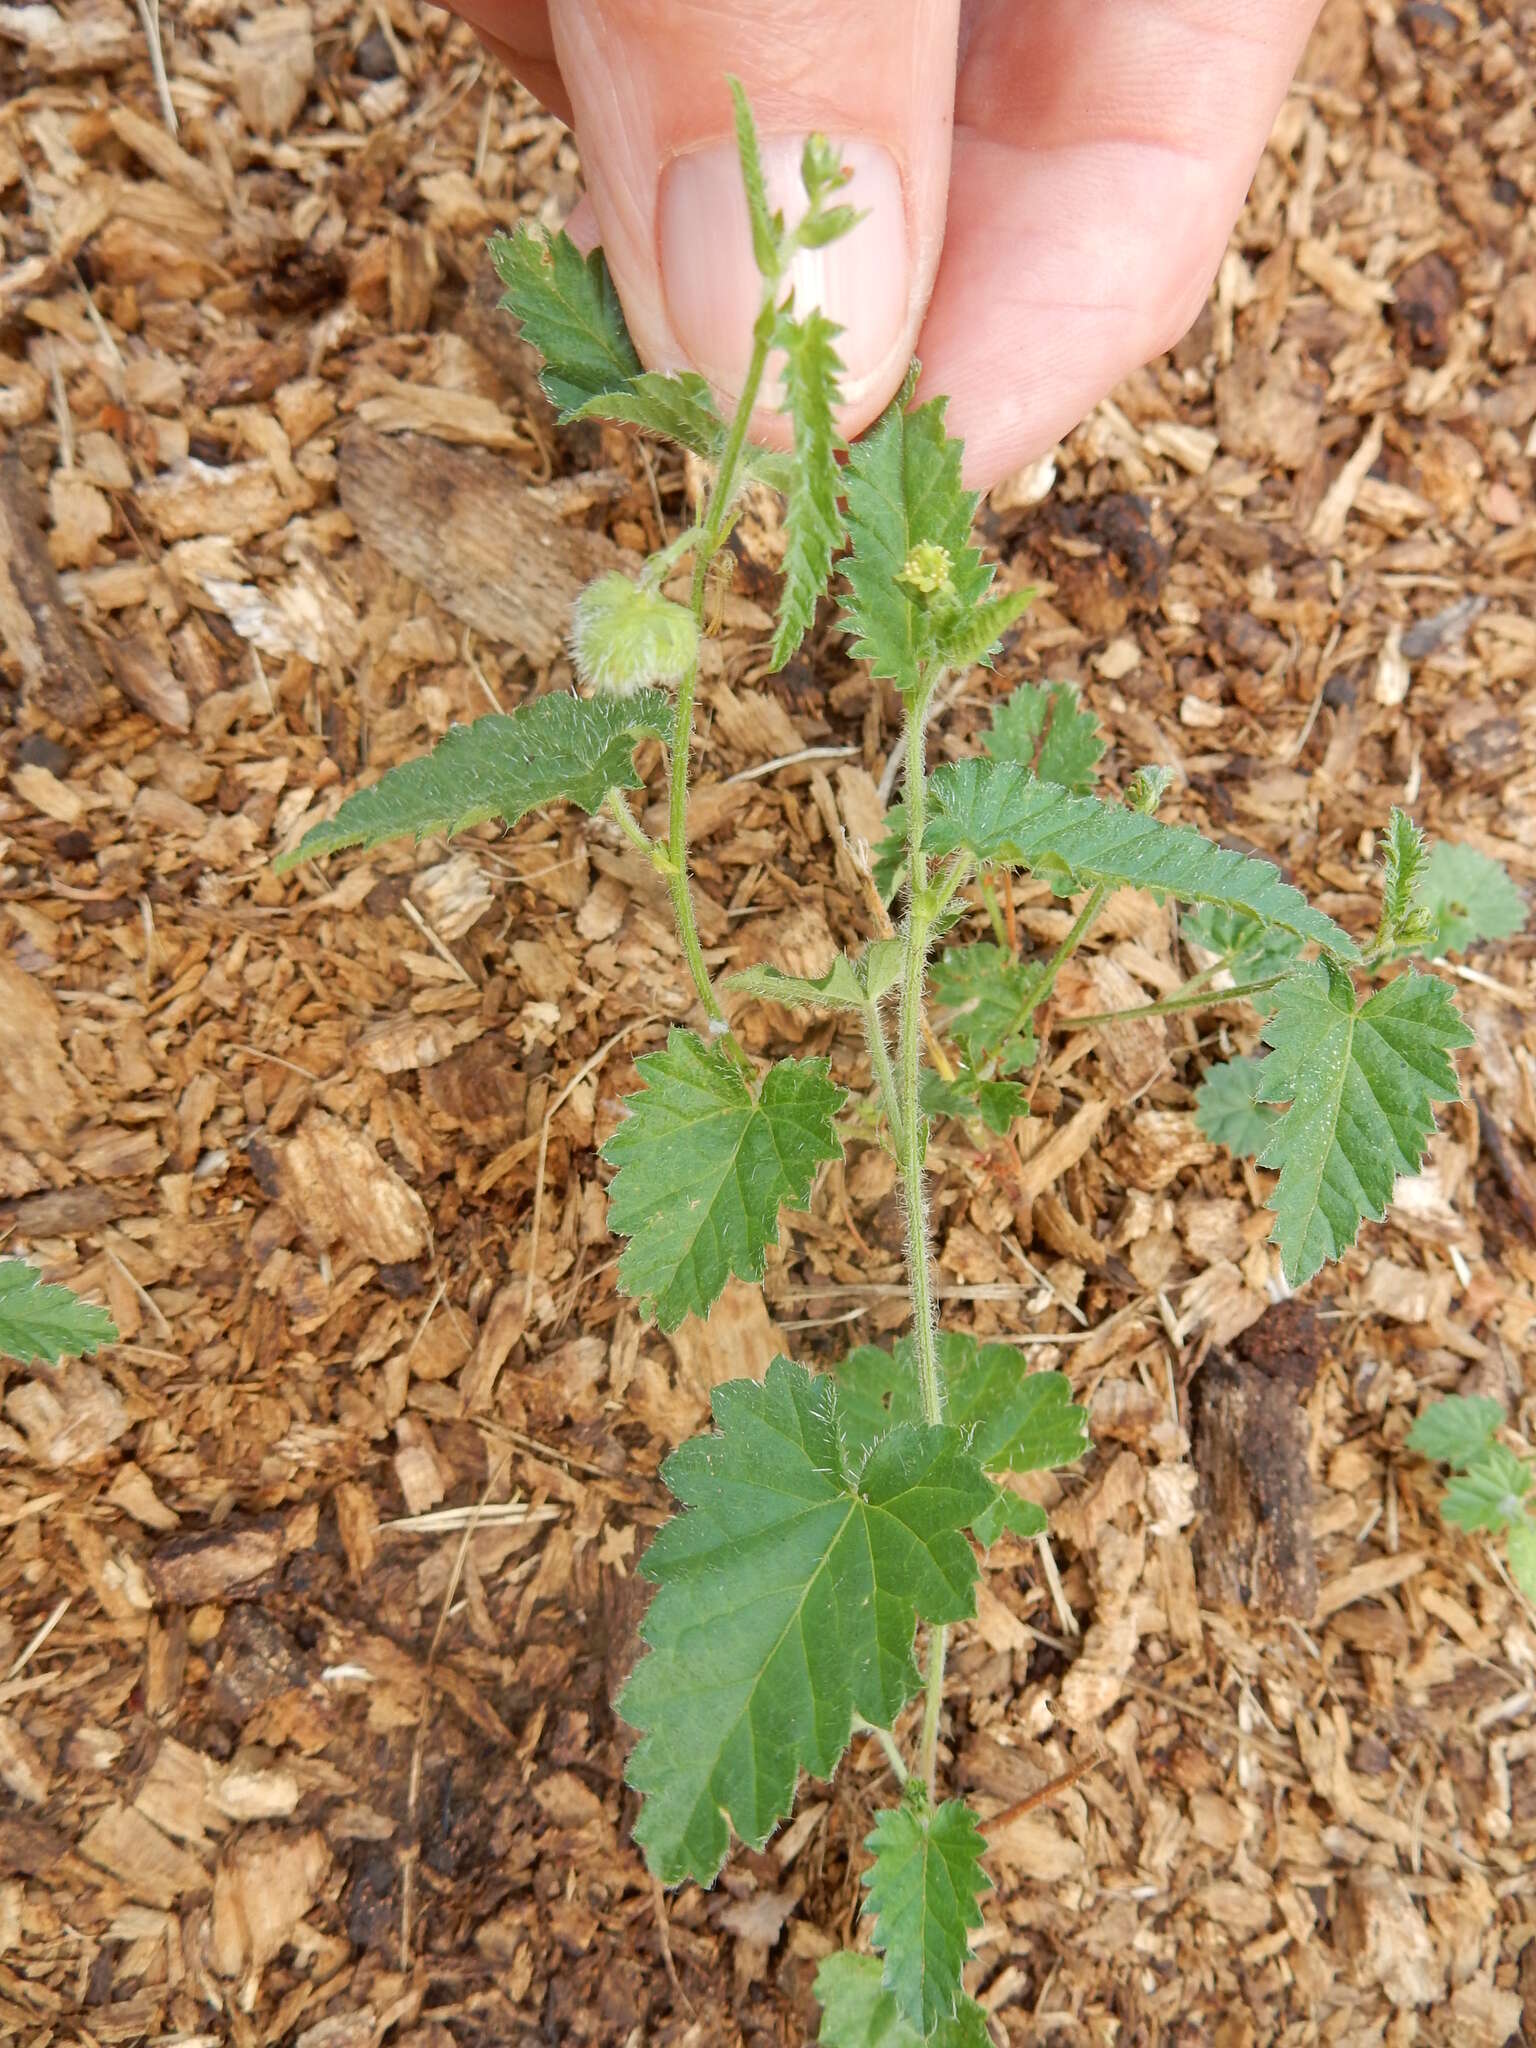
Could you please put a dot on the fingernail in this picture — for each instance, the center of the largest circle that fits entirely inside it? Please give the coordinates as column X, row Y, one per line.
column 712, row 286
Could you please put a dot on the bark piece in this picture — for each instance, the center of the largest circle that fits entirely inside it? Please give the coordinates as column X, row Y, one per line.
column 60, row 670
column 265, row 1884
column 1253, row 1548
column 476, row 537
column 338, row 1187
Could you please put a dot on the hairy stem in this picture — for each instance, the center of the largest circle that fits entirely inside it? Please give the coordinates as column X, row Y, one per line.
column 629, row 824
column 887, row 1742
column 910, row 1058
column 921, row 911
column 714, row 526
column 1186, row 999
column 1040, row 988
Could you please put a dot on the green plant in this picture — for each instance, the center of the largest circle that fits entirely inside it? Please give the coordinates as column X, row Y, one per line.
column 1360, row 1076
column 39, row 1321
column 830, row 1516
column 1491, row 1486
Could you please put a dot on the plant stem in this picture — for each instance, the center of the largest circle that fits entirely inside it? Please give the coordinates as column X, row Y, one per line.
column 714, row 527
column 921, row 911
column 910, row 1056
column 887, row 1742
column 1186, row 999
column 994, row 912
column 630, row 825
column 933, row 1707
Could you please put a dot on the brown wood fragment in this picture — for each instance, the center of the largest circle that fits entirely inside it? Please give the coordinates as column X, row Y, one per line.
column 212, row 1564
column 61, row 672
column 465, row 527
column 1253, row 1544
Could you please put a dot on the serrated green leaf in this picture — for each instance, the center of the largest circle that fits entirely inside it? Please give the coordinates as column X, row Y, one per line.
column 924, row 1887
column 847, row 984
column 1489, row 1496
column 568, row 309
column 566, row 306
column 502, row 767
column 975, row 636
column 1009, row 1511
column 902, row 488
column 813, row 525
column 998, row 812
column 1360, row 1082
column 1403, row 921
column 40, row 1320
column 1001, row 1104
column 705, row 1166
column 858, row 2012
column 788, row 1598
column 888, row 862
column 680, row 407
column 1252, row 951
column 1522, row 1557
column 767, row 226
column 1044, row 728
column 1228, row 1109
column 1470, row 897
column 985, row 989
column 1456, row 1431
column 1016, row 1420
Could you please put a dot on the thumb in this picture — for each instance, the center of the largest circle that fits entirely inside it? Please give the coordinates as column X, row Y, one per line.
column 653, row 117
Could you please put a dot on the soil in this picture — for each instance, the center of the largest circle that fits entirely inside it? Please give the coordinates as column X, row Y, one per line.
column 315, row 1589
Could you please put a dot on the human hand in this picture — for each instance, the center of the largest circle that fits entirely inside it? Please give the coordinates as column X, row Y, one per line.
column 1049, row 184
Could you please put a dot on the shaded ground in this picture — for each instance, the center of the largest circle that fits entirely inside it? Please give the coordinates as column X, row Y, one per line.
column 313, row 1592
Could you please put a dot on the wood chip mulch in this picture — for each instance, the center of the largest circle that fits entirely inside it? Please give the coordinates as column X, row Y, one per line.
column 314, row 1591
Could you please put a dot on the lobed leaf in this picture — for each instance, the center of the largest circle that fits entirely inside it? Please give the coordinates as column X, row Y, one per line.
column 1456, row 1431
column 1228, row 1109
column 1491, row 1494
column 1522, row 1557
column 858, row 2012
column 1252, row 950
column 923, row 1891
column 966, row 1093
column 41, row 1321
column 903, row 491
column 499, row 767
column 998, row 812
column 789, row 1593
column 1008, row 1510
column 1469, row 897
column 986, row 990
column 1361, row 1082
column 1043, row 727
column 705, row 1166
column 1016, row 1420
column 813, row 525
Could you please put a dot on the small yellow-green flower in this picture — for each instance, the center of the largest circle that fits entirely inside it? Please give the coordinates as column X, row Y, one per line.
column 625, row 638
column 926, row 569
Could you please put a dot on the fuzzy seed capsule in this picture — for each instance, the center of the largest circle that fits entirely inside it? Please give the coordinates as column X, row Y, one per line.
column 625, row 638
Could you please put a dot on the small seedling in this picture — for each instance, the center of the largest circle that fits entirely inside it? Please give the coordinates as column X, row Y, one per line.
column 43, row 1322
column 830, row 1523
column 1490, row 1486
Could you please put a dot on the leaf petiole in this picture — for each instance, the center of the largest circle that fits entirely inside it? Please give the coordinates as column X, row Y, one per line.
column 1186, row 999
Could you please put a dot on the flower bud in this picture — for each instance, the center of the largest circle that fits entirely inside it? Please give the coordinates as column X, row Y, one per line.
column 625, row 638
